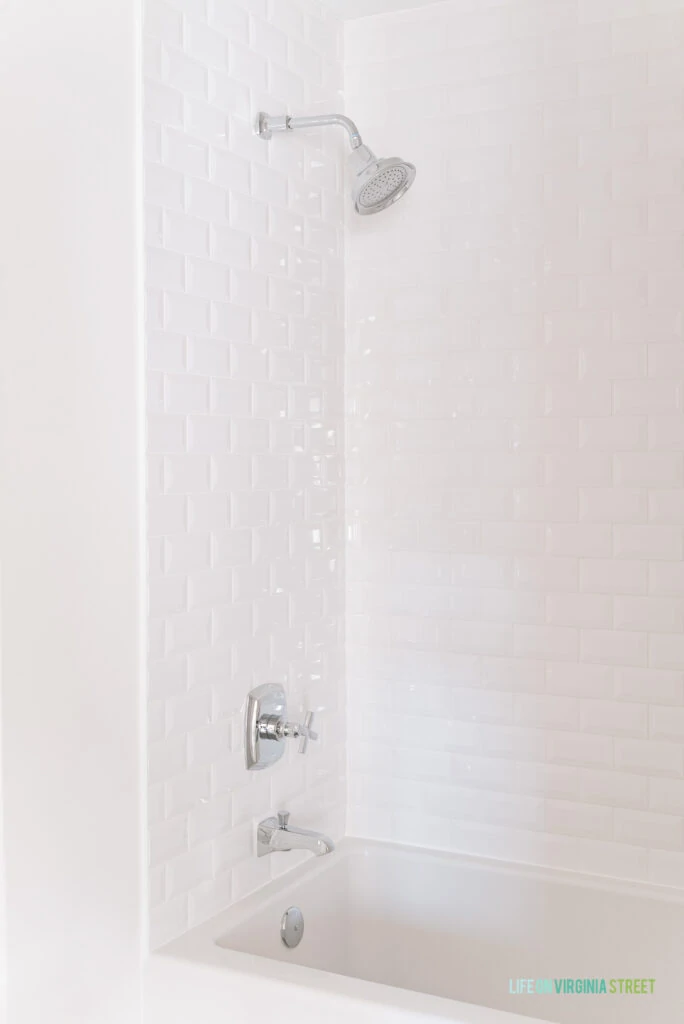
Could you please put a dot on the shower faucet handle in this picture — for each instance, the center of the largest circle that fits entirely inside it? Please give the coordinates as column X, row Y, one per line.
column 283, row 818
column 267, row 727
column 273, row 727
column 306, row 733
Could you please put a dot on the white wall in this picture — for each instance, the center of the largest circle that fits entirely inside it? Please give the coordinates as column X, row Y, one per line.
column 515, row 398
column 70, row 515
column 245, row 373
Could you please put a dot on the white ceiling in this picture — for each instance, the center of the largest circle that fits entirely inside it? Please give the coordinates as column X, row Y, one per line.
column 361, row 8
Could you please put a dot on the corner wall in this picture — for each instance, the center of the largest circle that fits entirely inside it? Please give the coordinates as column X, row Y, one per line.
column 245, row 373
column 515, row 386
column 71, row 511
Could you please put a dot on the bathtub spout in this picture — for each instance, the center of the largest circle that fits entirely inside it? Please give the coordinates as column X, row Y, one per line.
column 274, row 835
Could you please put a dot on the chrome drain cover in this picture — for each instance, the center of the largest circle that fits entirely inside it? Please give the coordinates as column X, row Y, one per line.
column 292, row 927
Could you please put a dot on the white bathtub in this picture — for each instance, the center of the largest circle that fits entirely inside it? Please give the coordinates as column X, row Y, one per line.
column 397, row 934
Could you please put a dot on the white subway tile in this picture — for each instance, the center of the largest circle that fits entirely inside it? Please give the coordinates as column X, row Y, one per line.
column 667, row 723
column 637, row 326
column 585, row 540
column 189, row 711
column 163, row 188
column 554, row 642
column 165, row 269
column 512, row 537
column 650, row 757
column 513, row 461
column 210, row 819
column 588, row 469
column 185, row 234
column 650, row 685
column 230, row 18
column 640, row 397
column 666, row 578
column 666, row 506
column 205, row 45
column 186, row 473
column 617, row 74
column 577, row 819
column 652, row 614
column 164, row 104
column 614, row 433
column 166, row 596
column 207, row 201
column 666, row 433
column 248, row 66
column 168, row 839
column 207, row 512
column 665, row 213
column 656, row 254
column 656, row 542
column 184, row 74
column 615, row 789
column 613, row 718
column 648, row 469
column 189, row 870
column 162, row 22
column 546, row 573
column 610, row 505
column 666, row 796
column 512, row 674
column 187, row 314
column 665, row 361
column 644, row 828
column 483, row 706
column 188, row 632
column 248, row 215
column 186, row 393
column 648, row 32
column 579, row 749
column 613, row 647
column 579, row 680
column 545, row 711
column 592, row 611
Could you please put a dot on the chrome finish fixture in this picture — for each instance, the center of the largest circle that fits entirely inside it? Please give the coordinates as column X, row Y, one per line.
column 377, row 182
column 267, row 728
column 266, row 125
column 292, row 927
column 261, row 126
column 275, row 835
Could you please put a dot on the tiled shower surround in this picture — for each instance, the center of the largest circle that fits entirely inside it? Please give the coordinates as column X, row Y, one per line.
column 515, row 489
column 514, row 434
column 245, row 353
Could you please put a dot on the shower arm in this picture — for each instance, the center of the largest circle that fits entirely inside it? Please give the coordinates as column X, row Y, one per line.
column 266, row 125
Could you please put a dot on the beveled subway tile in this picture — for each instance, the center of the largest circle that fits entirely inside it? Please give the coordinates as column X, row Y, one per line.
column 223, row 211
column 510, row 360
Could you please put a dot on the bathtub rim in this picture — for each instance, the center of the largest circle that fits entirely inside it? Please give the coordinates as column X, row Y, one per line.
column 200, row 945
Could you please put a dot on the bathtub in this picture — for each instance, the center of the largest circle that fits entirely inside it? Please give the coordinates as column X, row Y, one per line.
column 396, row 934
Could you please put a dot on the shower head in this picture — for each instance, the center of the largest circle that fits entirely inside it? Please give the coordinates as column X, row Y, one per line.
column 377, row 183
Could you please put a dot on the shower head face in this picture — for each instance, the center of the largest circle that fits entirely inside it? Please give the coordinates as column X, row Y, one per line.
column 380, row 183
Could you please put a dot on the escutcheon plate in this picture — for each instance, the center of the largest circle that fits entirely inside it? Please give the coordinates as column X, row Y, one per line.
column 268, row 699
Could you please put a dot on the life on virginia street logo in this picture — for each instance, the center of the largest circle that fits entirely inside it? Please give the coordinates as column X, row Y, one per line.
column 581, row 986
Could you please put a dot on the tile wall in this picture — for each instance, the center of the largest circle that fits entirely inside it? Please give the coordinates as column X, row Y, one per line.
column 515, row 401
column 244, row 245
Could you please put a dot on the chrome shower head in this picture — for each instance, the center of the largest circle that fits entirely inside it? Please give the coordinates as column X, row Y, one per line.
column 377, row 182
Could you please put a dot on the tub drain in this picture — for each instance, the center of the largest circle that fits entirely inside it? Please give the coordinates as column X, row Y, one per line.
column 292, row 927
